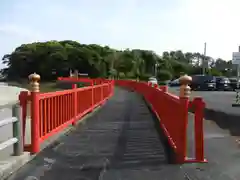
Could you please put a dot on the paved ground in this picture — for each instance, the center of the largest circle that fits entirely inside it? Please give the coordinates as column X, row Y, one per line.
column 216, row 100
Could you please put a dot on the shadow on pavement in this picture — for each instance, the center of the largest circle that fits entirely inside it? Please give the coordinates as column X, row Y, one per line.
column 224, row 120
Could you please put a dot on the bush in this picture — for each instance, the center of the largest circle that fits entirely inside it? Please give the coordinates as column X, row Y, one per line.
column 130, row 75
column 145, row 77
column 122, row 75
column 164, row 75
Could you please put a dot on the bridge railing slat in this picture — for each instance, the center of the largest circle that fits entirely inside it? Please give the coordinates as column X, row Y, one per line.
column 54, row 111
column 172, row 112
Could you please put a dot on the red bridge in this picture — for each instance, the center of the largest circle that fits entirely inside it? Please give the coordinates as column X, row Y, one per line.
column 122, row 129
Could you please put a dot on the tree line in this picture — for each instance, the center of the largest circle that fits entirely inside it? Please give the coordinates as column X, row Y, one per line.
column 55, row 58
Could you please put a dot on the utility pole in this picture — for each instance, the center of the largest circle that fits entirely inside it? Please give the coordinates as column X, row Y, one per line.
column 238, row 72
column 204, row 59
column 236, row 60
column 155, row 69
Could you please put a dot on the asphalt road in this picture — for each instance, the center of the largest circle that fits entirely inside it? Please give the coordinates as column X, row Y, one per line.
column 216, row 100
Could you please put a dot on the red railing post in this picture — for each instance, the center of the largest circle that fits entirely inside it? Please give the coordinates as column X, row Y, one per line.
column 112, row 87
column 35, row 124
column 182, row 136
column 35, row 136
column 101, row 91
column 75, row 103
column 199, row 106
column 92, row 97
column 111, row 84
column 184, row 104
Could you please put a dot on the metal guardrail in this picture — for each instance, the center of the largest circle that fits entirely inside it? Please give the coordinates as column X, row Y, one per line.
column 15, row 120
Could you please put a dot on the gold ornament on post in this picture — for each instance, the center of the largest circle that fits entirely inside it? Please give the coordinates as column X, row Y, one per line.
column 185, row 89
column 34, row 78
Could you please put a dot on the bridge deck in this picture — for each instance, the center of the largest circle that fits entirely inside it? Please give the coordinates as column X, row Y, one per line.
column 121, row 141
column 119, row 138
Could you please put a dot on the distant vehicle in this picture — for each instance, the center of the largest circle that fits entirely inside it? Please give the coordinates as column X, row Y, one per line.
column 233, row 83
column 174, row 83
column 223, row 83
column 203, row 82
column 152, row 80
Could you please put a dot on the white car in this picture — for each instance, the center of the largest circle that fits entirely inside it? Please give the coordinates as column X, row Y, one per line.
column 174, row 83
column 152, row 80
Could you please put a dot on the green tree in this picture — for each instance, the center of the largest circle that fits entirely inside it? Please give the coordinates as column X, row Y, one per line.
column 45, row 58
column 164, row 75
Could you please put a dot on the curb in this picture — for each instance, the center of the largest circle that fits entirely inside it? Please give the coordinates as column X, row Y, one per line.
column 12, row 164
column 224, row 120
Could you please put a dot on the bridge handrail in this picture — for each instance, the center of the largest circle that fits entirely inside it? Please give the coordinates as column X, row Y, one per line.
column 172, row 112
column 83, row 79
column 52, row 112
column 15, row 120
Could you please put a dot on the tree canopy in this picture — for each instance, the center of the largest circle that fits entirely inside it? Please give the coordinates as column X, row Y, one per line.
column 55, row 58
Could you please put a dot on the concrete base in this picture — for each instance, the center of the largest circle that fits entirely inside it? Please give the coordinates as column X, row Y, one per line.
column 235, row 105
column 12, row 164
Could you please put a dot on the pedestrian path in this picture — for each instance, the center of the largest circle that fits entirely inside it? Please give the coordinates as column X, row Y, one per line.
column 122, row 141
column 121, row 137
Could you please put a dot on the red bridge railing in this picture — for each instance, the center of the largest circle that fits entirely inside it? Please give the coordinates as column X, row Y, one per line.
column 84, row 80
column 172, row 113
column 54, row 111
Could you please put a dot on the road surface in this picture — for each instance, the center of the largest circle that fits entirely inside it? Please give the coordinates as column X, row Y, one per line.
column 216, row 100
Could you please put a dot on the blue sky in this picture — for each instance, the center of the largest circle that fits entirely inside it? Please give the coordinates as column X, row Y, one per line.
column 157, row 25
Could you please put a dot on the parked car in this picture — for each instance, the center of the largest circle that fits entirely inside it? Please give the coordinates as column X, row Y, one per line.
column 152, row 80
column 203, row 82
column 174, row 83
column 223, row 83
column 233, row 83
